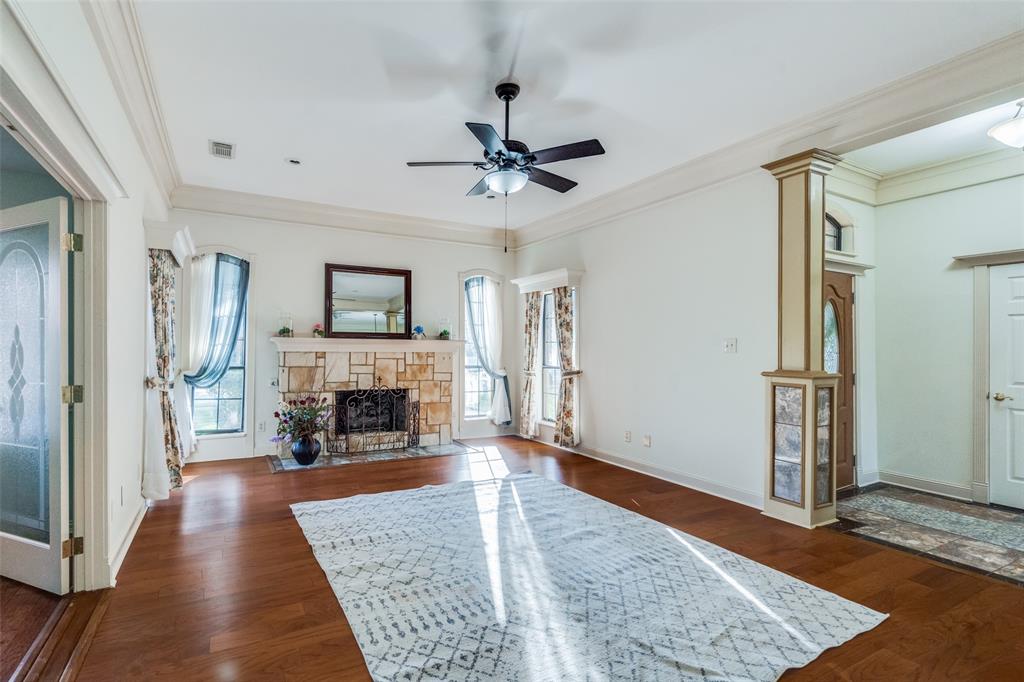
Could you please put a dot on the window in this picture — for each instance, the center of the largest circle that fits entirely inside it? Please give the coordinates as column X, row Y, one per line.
column 833, row 234
column 221, row 408
column 551, row 366
column 478, row 384
column 831, row 339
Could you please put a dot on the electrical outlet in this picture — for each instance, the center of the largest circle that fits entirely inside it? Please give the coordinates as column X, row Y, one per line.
column 729, row 345
column 629, row 437
column 261, row 427
column 647, row 440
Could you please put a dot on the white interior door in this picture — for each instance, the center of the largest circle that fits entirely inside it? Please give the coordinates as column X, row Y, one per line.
column 1006, row 385
column 34, row 428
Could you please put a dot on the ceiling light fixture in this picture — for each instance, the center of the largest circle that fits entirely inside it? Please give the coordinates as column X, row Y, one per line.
column 506, row 180
column 1011, row 132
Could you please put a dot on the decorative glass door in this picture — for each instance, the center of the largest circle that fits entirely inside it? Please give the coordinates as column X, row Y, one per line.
column 34, row 471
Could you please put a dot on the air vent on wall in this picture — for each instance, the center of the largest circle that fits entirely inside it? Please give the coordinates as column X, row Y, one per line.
column 222, row 150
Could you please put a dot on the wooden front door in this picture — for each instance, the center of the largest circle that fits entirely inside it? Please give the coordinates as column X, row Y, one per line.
column 838, row 348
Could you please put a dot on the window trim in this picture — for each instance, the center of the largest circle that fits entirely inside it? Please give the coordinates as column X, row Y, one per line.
column 477, row 426
column 543, row 349
column 539, row 388
column 249, row 418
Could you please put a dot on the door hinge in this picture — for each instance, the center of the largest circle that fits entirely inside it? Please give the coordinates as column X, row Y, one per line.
column 72, row 547
column 72, row 241
column 73, row 393
column 853, row 298
column 853, row 378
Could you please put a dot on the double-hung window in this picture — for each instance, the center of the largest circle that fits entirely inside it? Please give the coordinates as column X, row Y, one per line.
column 551, row 366
column 478, row 384
column 221, row 408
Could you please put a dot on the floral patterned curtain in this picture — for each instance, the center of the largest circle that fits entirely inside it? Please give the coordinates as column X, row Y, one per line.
column 528, row 411
column 566, row 426
column 161, row 288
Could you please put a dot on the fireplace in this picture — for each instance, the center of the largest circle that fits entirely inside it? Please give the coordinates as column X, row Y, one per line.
column 376, row 418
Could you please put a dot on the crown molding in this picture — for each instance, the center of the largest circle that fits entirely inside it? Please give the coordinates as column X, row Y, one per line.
column 115, row 27
column 955, row 174
column 984, row 77
column 278, row 209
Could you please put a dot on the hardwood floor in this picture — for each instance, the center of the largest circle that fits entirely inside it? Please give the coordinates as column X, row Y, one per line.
column 24, row 612
column 220, row 583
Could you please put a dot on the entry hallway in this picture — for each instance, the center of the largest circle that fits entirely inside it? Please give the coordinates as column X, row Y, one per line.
column 221, row 584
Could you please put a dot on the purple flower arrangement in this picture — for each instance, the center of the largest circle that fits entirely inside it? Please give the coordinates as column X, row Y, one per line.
column 300, row 418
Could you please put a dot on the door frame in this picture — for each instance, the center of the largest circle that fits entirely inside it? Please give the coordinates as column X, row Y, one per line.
column 92, row 182
column 980, row 455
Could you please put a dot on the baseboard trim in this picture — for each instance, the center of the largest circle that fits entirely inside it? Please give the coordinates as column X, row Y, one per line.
column 122, row 550
column 960, row 492
column 703, row 485
column 867, row 478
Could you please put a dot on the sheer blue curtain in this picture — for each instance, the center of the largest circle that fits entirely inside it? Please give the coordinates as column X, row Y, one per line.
column 485, row 334
column 230, row 286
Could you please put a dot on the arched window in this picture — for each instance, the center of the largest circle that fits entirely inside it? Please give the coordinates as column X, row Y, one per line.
column 833, row 234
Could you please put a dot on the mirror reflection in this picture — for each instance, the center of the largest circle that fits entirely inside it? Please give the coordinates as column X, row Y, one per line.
column 367, row 303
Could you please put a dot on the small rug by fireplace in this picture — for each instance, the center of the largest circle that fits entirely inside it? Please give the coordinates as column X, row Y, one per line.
column 325, row 460
column 525, row 579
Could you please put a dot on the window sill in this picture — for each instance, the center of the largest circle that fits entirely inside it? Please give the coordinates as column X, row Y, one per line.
column 546, row 422
column 220, row 436
column 481, row 418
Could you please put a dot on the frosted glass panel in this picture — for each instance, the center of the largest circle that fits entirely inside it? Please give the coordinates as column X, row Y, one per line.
column 24, row 439
column 831, row 339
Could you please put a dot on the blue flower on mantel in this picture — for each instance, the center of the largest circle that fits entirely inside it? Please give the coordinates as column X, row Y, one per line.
column 418, row 329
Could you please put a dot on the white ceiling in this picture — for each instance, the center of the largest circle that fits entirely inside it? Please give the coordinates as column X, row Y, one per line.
column 956, row 139
column 356, row 89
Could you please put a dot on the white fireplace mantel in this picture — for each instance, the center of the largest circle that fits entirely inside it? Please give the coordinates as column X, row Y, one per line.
column 308, row 344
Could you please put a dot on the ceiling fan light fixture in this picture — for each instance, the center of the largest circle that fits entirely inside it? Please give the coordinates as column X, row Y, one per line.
column 506, row 181
column 1011, row 132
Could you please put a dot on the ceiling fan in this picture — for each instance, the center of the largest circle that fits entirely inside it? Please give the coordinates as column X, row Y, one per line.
column 510, row 163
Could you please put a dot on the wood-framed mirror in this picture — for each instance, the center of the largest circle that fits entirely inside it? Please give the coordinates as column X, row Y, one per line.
column 367, row 303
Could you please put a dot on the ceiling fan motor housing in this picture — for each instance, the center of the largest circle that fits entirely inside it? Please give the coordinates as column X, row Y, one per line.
column 507, row 91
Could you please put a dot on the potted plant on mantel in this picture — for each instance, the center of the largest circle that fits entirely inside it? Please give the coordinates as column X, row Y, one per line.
column 298, row 422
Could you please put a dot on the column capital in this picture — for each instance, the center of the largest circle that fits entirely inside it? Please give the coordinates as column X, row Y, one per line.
column 814, row 160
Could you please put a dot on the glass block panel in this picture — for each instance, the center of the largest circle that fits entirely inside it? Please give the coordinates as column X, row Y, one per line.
column 831, row 339
column 787, row 464
column 24, row 385
column 823, row 448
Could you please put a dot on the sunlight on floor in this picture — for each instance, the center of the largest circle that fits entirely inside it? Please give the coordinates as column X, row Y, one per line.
column 747, row 594
column 487, row 464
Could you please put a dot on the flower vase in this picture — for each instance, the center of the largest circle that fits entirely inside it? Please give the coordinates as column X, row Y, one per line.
column 305, row 450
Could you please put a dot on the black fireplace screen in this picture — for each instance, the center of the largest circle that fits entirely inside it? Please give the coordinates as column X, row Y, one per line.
column 376, row 418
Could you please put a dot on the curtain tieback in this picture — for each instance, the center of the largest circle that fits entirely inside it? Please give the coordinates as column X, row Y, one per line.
column 571, row 373
column 529, row 374
column 159, row 384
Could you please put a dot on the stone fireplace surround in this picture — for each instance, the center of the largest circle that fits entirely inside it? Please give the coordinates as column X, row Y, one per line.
column 425, row 368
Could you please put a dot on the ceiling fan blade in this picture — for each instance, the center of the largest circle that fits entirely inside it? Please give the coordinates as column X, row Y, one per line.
column 488, row 137
column 478, row 188
column 420, row 164
column 565, row 152
column 555, row 182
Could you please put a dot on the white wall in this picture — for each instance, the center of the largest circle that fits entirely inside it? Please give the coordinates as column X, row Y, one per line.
column 661, row 290
column 924, row 333
column 64, row 36
column 287, row 276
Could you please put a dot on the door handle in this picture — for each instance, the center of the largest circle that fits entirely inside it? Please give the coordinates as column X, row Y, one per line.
column 1000, row 397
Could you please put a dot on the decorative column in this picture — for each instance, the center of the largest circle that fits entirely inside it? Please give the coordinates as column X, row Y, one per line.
column 800, row 483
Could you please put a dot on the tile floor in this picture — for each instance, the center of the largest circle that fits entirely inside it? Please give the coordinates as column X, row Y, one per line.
column 279, row 464
column 978, row 537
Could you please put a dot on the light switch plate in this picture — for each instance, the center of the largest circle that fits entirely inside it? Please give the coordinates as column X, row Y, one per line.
column 729, row 345
column 647, row 441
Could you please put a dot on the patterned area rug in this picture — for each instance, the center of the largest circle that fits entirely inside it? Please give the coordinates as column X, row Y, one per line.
column 525, row 579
